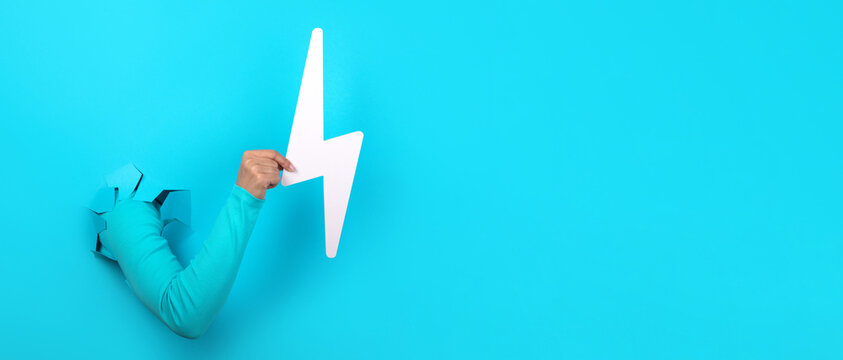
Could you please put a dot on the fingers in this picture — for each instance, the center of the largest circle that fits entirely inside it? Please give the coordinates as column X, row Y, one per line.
column 261, row 170
column 265, row 171
column 280, row 160
column 284, row 163
column 274, row 180
column 266, row 166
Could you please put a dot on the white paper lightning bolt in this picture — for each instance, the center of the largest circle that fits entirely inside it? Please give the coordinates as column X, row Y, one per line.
column 334, row 159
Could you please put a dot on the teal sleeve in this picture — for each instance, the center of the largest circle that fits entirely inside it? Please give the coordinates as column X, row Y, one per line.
column 186, row 299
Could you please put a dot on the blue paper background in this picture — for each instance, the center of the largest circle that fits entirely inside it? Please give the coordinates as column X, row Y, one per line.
column 583, row 180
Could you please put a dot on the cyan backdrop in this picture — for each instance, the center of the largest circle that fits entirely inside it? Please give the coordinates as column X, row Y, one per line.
column 539, row 179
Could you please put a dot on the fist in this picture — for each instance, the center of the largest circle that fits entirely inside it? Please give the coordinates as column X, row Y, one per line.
column 261, row 170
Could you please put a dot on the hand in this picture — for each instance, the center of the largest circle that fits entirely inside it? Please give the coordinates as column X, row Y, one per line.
column 261, row 170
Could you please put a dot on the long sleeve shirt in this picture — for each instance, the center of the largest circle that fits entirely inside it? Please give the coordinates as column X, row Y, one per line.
column 186, row 299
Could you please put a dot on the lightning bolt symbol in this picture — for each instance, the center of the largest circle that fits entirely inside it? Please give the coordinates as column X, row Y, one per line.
column 334, row 159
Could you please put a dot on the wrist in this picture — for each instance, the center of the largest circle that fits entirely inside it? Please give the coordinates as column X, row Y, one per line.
column 256, row 191
column 245, row 194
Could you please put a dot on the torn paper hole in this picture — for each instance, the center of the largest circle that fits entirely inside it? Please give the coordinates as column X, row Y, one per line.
column 129, row 183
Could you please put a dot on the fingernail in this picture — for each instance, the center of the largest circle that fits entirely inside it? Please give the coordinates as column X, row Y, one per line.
column 292, row 168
